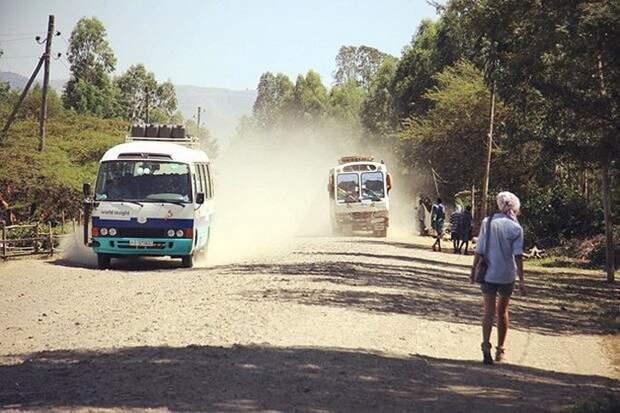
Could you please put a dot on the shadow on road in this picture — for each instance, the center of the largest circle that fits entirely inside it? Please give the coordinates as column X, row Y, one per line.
column 555, row 305
column 283, row 379
column 131, row 263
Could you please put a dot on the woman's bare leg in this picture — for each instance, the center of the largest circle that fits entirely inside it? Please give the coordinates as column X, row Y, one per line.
column 502, row 320
column 489, row 315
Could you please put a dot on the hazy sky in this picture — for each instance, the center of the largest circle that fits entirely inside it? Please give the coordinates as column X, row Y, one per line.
column 214, row 42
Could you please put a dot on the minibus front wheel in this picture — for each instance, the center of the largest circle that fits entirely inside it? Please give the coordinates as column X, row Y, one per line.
column 103, row 261
column 187, row 261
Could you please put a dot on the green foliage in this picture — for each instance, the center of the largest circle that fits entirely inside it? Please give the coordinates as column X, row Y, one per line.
column 41, row 185
column 309, row 102
column 596, row 255
column 275, row 93
column 345, row 103
column 89, row 91
column 558, row 212
column 137, row 88
column 358, row 64
column 450, row 136
column 558, row 66
column 377, row 113
column 88, row 98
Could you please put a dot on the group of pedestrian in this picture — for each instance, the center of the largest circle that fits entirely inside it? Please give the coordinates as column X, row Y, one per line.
column 461, row 226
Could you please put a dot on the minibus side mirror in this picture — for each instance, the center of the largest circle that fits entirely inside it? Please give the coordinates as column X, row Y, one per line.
column 200, row 198
column 86, row 189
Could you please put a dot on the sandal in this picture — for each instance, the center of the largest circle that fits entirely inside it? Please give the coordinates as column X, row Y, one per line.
column 486, row 353
column 499, row 353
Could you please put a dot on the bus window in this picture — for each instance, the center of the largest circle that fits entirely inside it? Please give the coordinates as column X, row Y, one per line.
column 209, row 181
column 199, row 178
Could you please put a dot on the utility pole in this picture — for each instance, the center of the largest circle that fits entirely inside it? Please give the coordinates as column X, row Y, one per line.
column 485, row 187
column 46, row 80
column 198, row 120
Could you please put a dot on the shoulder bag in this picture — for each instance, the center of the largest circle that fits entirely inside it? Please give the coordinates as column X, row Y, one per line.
column 481, row 269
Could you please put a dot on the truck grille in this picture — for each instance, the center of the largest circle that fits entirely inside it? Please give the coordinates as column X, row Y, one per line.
column 362, row 215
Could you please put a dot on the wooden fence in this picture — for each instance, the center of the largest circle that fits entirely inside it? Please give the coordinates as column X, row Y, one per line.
column 32, row 239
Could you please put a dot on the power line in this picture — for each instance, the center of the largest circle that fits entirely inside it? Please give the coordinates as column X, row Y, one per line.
column 19, row 57
column 19, row 34
column 17, row 39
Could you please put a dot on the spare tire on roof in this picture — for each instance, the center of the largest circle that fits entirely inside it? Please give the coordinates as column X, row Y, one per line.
column 138, row 130
column 165, row 131
column 152, row 131
column 178, row 132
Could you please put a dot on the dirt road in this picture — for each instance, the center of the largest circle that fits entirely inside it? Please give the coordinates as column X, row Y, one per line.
column 325, row 324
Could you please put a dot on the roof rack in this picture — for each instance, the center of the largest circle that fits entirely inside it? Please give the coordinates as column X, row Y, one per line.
column 356, row 158
column 162, row 133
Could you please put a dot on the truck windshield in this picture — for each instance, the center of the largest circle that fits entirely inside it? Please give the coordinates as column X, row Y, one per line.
column 348, row 187
column 372, row 186
column 146, row 181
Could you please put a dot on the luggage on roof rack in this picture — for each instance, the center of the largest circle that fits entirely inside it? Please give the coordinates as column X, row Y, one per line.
column 178, row 132
column 162, row 133
column 152, row 130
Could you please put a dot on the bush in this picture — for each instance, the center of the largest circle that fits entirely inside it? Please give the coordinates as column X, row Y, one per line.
column 561, row 212
column 596, row 255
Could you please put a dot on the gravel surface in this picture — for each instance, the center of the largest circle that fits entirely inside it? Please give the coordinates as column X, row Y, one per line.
column 317, row 324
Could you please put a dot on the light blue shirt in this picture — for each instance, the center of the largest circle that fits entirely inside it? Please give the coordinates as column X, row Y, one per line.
column 505, row 241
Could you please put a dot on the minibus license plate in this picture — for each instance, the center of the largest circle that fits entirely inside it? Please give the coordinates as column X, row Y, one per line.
column 141, row 243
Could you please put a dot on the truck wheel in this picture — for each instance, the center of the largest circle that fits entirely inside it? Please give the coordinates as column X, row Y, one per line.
column 103, row 261
column 187, row 261
column 381, row 233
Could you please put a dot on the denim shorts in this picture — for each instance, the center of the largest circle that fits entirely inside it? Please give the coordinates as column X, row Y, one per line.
column 505, row 290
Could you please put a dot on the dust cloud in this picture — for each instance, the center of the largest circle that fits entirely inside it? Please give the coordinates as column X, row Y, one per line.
column 74, row 252
column 271, row 189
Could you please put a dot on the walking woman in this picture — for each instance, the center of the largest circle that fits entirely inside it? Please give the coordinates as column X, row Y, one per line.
column 500, row 247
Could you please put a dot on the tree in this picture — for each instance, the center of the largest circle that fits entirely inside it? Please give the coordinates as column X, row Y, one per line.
column 309, row 100
column 434, row 46
column 274, row 94
column 140, row 95
column 89, row 89
column 557, row 64
column 450, row 135
column 357, row 64
column 377, row 113
column 345, row 103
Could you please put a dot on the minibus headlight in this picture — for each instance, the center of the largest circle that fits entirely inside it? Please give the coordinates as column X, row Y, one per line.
column 103, row 231
column 112, row 232
column 94, row 231
column 179, row 232
column 170, row 233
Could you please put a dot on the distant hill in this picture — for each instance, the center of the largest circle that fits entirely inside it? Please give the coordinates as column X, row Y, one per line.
column 222, row 108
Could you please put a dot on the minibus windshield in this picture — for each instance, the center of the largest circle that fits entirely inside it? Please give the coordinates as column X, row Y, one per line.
column 144, row 181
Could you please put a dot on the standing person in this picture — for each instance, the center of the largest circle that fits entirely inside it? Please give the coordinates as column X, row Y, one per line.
column 421, row 215
column 455, row 223
column 465, row 228
column 438, row 215
column 504, row 259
